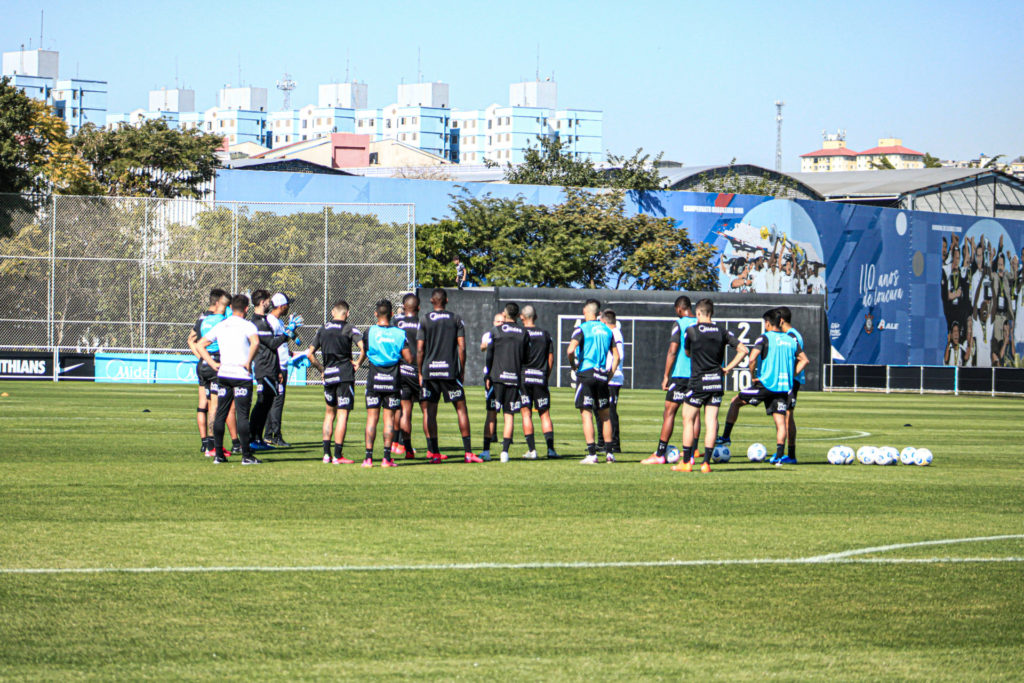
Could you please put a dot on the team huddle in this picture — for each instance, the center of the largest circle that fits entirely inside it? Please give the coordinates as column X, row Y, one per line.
column 413, row 360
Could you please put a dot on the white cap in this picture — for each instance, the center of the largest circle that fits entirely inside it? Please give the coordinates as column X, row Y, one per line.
column 279, row 299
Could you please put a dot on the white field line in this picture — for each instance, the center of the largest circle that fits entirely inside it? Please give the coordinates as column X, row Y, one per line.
column 845, row 557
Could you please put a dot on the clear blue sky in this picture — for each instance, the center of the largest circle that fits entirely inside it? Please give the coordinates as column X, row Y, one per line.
column 696, row 80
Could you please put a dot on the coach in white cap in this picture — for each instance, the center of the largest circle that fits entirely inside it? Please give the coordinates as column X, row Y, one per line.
column 278, row 309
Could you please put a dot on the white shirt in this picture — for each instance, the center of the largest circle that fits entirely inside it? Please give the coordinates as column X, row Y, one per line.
column 760, row 279
column 785, row 282
column 817, row 284
column 618, row 378
column 283, row 354
column 772, row 278
column 232, row 335
column 982, row 335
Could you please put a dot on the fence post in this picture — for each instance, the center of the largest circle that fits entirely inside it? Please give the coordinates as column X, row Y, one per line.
column 51, row 290
column 411, row 255
column 854, row 379
column 956, row 380
column 325, row 264
column 887, row 379
column 145, row 272
column 993, row 381
column 234, row 247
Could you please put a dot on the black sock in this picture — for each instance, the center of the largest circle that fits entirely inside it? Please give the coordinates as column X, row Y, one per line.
column 779, row 450
column 396, row 436
column 327, row 446
column 687, row 453
column 369, row 454
column 467, row 444
column 432, row 445
column 505, row 443
column 337, row 451
column 591, row 449
column 707, row 453
column 530, row 442
column 792, row 450
column 662, row 448
column 728, row 430
column 236, row 443
column 549, row 438
column 487, row 443
column 609, row 448
column 387, row 453
column 208, row 443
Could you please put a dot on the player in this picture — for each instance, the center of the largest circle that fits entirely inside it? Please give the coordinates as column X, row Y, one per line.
column 774, row 355
column 507, row 350
column 704, row 343
column 460, row 273
column 279, row 306
column 266, row 367
column 675, row 382
column 491, row 408
column 409, row 384
column 386, row 348
column 588, row 352
column 207, row 408
column 238, row 341
column 799, row 379
column 616, row 379
column 334, row 341
column 441, row 362
column 537, row 374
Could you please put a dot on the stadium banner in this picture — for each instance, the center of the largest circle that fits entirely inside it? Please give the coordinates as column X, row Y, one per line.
column 32, row 365
column 901, row 287
column 146, row 368
column 646, row 320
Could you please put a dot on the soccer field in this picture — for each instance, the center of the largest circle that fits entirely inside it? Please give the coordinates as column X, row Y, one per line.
column 149, row 561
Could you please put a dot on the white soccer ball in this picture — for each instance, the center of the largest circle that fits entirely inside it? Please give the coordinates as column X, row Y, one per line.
column 757, row 452
column 907, row 455
column 890, row 455
column 866, row 455
column 848, row 455
column 721, row 454
column 672, row 454
column 923, row 457
column 836, row 456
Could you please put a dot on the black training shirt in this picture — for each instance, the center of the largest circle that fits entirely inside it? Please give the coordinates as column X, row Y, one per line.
column 706, row 343
column 334, row 341
column 508, row 350
column 535, row 369
column 440, row 331
column 410, row 324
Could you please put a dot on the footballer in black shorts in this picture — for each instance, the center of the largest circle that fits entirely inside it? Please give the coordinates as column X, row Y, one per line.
column 335, row 341
column 774, row 402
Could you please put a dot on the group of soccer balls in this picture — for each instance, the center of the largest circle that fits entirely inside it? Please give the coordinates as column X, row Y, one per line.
column 886, row 455
column 837, row 455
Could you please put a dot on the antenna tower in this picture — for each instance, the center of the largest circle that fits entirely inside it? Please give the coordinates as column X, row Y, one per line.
column 779, row 104
column 286, row 85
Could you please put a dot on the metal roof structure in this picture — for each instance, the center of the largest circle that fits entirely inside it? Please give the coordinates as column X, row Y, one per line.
column 889, row 184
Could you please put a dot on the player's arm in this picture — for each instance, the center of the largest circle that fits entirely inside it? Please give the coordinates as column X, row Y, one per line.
column 571, row 353
column 801, row 362
column 192, row 339
column 254, row 346
column 420, row 345
column 615, row 360
column 204, row 353
column 406, row 353
column 740, row 351
column 670, row 360
column 462, row 358
column 551, row 359
column 361, row 355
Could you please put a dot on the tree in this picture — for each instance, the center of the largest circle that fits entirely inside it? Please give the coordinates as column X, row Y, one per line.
column 931, row 162
column 586, row 241
column 149, row 160
column 20, row 142
column 883, row 165
column 551, row 164
column 731, row 182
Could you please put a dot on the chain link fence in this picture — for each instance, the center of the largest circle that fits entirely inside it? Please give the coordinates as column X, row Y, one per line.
column 103, row 274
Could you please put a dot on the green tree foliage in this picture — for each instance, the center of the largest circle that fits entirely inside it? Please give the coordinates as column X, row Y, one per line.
column 732, row 182
column 586, row 241
column 883, row 165
column 149, row 160
column 551, row 164
column 20, row 142
column 931, row 162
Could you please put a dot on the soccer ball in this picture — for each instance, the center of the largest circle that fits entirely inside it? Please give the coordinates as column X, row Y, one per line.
column 721, row 454
column 866, row 455
column 923, row 457
column 887, row 455
column 672, row 454
column 907, row 455
column 837, row 455
column 757, row 452
column 848, row 455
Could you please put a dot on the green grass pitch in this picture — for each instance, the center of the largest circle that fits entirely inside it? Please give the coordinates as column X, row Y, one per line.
column 88, row 479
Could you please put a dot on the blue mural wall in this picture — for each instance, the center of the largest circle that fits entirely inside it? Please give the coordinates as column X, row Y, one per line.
column 903, row 287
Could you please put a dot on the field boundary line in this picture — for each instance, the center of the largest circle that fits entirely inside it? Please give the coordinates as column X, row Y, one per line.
column 844, row 557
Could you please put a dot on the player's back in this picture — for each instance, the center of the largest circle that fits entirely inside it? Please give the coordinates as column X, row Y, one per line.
column 509, row 348
column 706, row 343
column 777, row 362
column 384, row 345
column 535, row 368
column 801, row 377
column 596, row 341
column 681, row 367
column 440, row 332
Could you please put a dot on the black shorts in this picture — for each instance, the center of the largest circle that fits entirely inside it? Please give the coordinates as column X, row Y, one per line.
column 774, row 402
column 613, row 394
column 237, row 388
column 591, row 393
column 387, row 401
column 507, row 397
column 537, row 396
column 677, row 389
column 703, row 398
column 268, row 385
column 450, row 389
column 792, row 395
column 490, row 405
column 340, row 395
column 409, row 387
column 207, row 377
